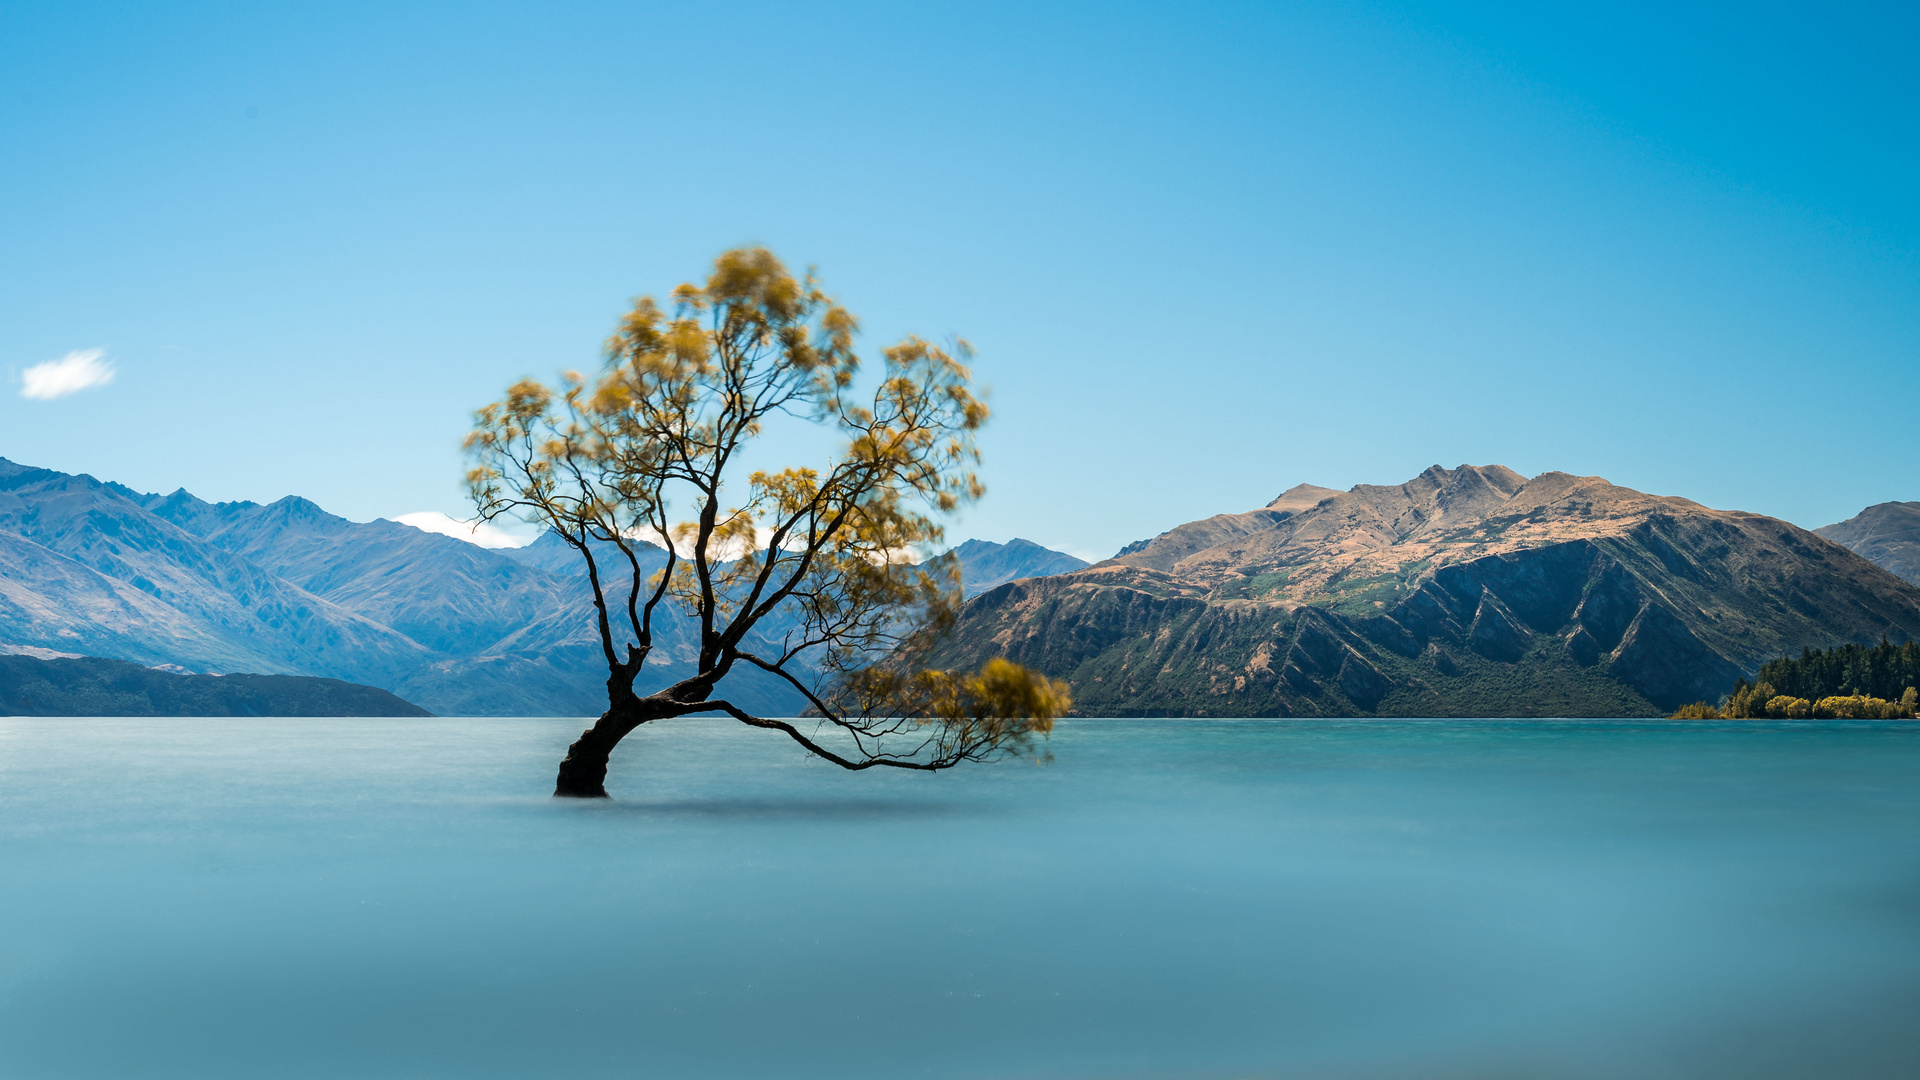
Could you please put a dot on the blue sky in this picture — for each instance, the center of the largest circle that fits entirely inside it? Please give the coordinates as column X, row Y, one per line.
column 1205, row 252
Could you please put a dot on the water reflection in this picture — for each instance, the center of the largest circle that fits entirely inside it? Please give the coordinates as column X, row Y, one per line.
column 850, row 809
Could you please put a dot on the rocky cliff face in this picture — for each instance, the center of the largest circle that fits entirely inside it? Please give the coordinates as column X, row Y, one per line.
column 1887, row 535
column 1464, row 592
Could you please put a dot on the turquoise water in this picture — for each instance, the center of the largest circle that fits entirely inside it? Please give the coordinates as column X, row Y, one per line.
column 1369, row 899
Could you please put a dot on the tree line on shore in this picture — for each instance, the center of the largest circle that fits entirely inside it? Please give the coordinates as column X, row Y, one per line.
column 1851, row 682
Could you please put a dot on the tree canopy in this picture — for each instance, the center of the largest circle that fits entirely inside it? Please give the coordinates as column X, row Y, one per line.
column 1848, row 682
column 651, row 451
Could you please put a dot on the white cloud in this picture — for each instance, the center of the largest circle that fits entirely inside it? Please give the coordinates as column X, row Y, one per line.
column 485, row 534
column 489, row 535
column 81, row 369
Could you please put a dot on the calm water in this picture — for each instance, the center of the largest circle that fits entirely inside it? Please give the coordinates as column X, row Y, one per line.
column 383, row 898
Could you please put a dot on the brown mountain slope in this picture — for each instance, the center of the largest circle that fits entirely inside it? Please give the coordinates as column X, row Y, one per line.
column 1887, row 535
column 1471, row 591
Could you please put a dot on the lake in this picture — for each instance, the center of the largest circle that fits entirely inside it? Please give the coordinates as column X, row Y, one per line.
column 1168, row 898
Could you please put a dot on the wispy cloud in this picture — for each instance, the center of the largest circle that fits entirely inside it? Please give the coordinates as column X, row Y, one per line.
column 81, row 369
column 482, row 533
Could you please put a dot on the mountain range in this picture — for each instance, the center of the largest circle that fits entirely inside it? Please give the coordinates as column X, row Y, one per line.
column 1472, row 591
column 1468, row 591
column 95, row 568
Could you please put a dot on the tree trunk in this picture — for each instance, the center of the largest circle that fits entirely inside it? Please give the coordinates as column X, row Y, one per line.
column 583, row 772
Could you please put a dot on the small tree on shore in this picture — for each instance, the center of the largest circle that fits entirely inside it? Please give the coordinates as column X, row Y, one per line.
column 829, row 554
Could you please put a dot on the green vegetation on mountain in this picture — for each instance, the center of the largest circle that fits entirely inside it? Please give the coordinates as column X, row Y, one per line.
column 1465, row 592
column 93, row 686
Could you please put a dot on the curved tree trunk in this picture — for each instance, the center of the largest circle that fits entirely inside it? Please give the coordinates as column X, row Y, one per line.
column 583, row 772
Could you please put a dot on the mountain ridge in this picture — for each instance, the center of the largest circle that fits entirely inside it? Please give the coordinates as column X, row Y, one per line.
column 986, row 565
column 93, row 567
column 1887, row 534
column 1471, row 591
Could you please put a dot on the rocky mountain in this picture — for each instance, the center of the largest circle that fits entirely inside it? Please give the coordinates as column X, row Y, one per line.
column 286, row 588
column 1888, row 535
column 90, row 686
column 1464, row 592
column 986, row 565
column 84, row 568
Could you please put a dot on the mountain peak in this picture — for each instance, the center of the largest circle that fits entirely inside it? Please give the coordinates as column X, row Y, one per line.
column 1470, row 591
column 985, row 565
column 293, row 506
column 1301, row 497
column 14, row 468
column 1320, row 537
column 1885, row 533
column 180, row 497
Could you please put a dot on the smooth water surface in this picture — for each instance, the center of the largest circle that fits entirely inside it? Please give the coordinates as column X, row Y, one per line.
column 400, row 898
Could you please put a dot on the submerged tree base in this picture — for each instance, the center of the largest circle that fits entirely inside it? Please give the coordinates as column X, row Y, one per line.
column 581, row 777
column 583, row 772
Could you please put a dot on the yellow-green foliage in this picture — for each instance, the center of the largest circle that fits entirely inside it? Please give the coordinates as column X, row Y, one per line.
column 1783, row 707
column 1759, row 702
column 1003, row 705
column 1748, row 702
column 1860, row 707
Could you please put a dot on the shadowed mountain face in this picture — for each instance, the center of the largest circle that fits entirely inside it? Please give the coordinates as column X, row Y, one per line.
column 1888, row 535
column 1464, row 592
column 286, row 588
column 88, row 686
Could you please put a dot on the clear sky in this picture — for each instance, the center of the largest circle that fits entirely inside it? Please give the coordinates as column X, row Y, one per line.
column 1204, row 252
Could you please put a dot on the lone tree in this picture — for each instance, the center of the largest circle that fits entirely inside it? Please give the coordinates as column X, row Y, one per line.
column 818, row 561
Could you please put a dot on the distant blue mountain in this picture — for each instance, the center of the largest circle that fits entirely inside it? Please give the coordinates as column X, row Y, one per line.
column 85, row 568
column 286, row 588
column 98, row 569
column 556, row 556
column 985, row 565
